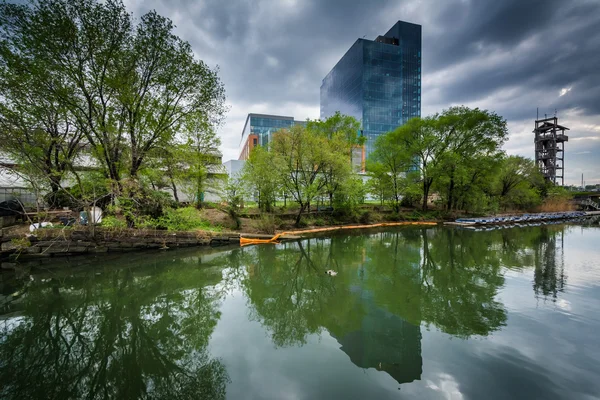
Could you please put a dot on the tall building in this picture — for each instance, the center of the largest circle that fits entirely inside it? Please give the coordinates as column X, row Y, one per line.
column 377, row 81
column 259, row 128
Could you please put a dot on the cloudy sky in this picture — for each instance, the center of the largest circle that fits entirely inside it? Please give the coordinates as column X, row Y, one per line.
column 509, row 56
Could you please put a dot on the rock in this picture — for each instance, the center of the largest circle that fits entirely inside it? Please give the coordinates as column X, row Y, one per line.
column 8, row 246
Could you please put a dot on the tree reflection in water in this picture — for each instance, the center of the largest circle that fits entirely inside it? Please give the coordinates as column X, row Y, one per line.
column 389, row 283
column 127, row 333
column 143, row 331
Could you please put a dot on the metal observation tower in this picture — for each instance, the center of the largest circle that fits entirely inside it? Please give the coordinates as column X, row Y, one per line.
column 549, row 142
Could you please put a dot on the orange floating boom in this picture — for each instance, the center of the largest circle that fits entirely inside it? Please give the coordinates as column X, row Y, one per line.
column 274, row 239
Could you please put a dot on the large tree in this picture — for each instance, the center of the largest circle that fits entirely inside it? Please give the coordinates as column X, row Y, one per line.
column 474, row 136
column 519, row 183
column 39, row 137
column 264, row 178
column 129, row 85
column 302, row 155
column 342, row 132
column 435, row 144
column 387, row 166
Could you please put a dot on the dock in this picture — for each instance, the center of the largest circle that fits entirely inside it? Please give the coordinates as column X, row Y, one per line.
column 521, row 219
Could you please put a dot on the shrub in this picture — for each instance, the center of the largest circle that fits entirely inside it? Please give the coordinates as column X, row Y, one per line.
column 366, row 217
column 181, row 219
column 267, row 224
column 303, row 223
column 319, row 222
column 110, row 221
column 557, row 199
column 20, row 243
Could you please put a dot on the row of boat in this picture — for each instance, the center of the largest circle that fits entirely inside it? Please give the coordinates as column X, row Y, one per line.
column 524, row 218
column 484, row 228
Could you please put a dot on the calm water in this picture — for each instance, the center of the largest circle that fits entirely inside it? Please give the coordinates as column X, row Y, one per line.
column 413, row 313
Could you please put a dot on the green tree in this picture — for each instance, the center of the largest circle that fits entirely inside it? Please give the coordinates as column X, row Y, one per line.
column 38, row 135
column 194, row 161
column 388, row 164
column 301, row 155
column 437, row 144
column 130, row 88
column 262, row 173
column 472, row 135
column 380, row 182
column 469, row 186
column 342, row 134
column 519, row 183
column 233, row 194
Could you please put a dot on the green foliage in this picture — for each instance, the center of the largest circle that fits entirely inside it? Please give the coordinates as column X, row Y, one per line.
column 234, row 192
column 369, row 217
column 387, row 167
column 185, row 166
column 20, row 243
column 110, row 221
column 319, row 222
column 182, row 219
column 140, row 205
column 559, row 192
column 263, row 176
column 350, row 194
column 267, row 223
column 315, row 160
column 84, row 74
column 452, row 152
column 519, row 183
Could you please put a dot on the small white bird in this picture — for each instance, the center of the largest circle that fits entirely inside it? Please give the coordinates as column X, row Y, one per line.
column 331, row 272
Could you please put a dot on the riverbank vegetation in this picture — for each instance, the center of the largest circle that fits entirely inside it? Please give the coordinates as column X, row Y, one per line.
column 102, row 109
column 451, row 162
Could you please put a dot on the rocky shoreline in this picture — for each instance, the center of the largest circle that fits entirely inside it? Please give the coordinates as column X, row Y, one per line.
column 67, row 242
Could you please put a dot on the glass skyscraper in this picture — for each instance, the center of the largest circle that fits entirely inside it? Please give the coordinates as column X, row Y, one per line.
column 377, row 81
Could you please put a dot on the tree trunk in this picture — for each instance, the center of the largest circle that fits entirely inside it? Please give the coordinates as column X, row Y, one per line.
column 299, row 216
column 52, row 197
column 426, row 186
column 451, row 190
column 174, row 186
column 113, row 174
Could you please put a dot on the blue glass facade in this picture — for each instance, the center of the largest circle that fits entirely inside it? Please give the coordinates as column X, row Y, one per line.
column 377, row 81
column 259, row 128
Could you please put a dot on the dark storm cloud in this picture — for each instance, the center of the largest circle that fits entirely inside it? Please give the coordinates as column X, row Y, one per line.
column 537, row 46
column 510, row 56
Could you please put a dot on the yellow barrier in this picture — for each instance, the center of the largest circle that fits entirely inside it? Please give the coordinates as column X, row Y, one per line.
column 247, row 241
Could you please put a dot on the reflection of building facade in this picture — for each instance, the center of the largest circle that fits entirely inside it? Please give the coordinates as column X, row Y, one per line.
column 387, row 343
column 377, row 81
column 259, row 129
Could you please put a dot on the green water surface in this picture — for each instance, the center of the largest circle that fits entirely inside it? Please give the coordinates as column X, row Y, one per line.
column 429, row 313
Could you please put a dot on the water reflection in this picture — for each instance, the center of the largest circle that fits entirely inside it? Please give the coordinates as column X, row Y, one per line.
column 140, row 327
column 126, row 333
column 389, row 285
